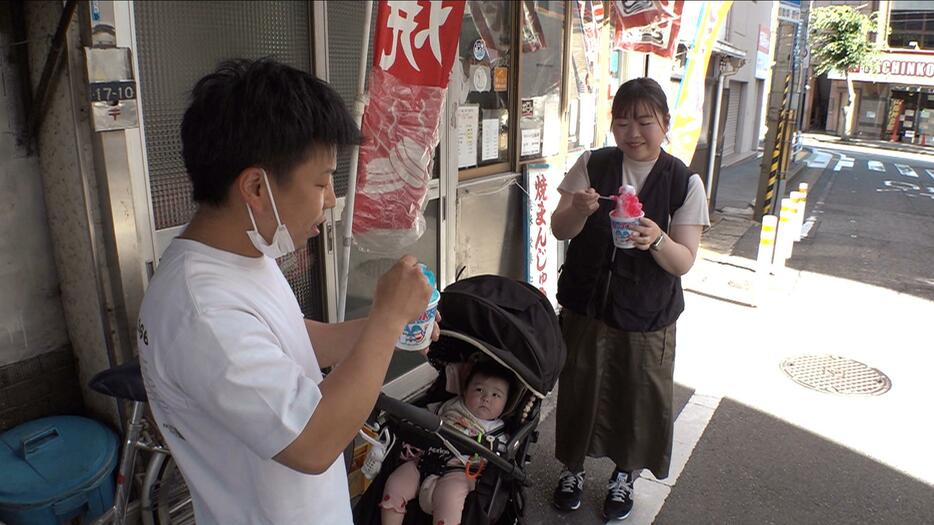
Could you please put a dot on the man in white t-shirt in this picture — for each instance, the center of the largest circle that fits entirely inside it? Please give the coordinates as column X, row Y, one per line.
column 231, row 367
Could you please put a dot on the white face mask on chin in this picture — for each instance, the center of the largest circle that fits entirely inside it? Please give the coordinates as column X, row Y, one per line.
column 281, row 240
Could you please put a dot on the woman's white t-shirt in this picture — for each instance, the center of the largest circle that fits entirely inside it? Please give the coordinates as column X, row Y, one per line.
column 692, row 212
column 232, row 380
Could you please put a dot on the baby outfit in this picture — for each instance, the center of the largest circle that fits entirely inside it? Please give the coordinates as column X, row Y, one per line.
column 442, row 496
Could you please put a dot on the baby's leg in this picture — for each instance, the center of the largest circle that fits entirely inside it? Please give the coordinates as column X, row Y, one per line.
column 448, row 498
column 400, row 488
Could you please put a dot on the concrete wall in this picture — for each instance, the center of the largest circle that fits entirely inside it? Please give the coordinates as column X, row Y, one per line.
column 742, row 31
column 66, row 165
column 31, row 318
column 37, row 372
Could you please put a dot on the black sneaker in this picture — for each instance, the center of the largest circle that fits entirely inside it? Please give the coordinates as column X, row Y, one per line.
column 568, row 493
column 618, row 503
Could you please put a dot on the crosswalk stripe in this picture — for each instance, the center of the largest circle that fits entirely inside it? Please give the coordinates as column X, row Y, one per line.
column 819, row 159
column 906, row 170
column 844, row 162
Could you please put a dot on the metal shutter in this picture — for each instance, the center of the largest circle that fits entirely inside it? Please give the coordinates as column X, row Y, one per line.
column 732, row 119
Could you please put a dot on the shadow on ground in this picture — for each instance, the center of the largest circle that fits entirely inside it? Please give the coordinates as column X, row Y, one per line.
column 750, row 467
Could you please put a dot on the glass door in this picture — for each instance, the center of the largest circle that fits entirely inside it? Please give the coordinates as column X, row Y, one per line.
column 176, row 44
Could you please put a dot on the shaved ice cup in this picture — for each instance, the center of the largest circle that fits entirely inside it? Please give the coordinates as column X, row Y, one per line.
column 416, row 335
column 622, row 230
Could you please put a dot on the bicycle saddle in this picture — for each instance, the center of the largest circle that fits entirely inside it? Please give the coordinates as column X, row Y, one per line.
column 124, row 381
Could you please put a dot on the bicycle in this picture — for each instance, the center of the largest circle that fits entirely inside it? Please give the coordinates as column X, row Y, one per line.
column 164, row 497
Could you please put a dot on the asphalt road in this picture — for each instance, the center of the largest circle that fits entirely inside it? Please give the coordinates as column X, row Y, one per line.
column 873, row 216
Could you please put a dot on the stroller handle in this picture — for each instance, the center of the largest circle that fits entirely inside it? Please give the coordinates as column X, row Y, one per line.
column 413, row 414
column 432, row 423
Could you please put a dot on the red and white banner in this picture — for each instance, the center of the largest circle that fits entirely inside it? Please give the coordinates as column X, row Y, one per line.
column 542, row 181
column 647, row 26
column 414, row 49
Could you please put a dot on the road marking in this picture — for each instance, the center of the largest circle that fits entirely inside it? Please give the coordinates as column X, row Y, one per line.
column 875, row 165
column 819, row 159
column 907, row 171
column 807, row 226
column 844, row 162
column 929, row 194
column 897, row 185
column 930, row 172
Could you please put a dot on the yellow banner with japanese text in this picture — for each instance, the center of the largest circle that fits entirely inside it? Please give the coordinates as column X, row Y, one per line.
column 688, row 115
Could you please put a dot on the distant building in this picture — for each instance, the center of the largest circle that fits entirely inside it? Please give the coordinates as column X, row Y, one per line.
column 895, row 98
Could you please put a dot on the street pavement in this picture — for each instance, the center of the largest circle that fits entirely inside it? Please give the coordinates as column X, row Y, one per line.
column 752, row 445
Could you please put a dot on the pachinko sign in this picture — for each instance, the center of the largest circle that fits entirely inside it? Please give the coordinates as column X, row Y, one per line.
column 647, row 26
column 414, row 49
column 688, row 113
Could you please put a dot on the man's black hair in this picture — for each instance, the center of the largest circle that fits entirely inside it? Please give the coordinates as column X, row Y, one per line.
column 258, row 113
column 637, row 93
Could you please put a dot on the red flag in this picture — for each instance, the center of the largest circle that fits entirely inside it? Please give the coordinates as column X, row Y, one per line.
column 416, row 42
column 647, row 26
column 414, row 49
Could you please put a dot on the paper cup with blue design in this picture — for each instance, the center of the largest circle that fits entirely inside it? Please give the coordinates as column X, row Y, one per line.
column 416, row 335
column 622, row 230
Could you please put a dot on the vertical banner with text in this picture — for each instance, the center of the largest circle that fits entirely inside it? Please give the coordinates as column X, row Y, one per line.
column 542, row 182
column 688, row 114
column 414, row 49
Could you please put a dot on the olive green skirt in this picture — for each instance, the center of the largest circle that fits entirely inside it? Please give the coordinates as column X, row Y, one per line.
column 614, row 396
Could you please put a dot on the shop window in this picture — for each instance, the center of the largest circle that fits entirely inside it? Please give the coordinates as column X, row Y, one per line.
column 541, row 60
column 584, row 80
column 912, row 28
column 486, row 61
column 366, row 268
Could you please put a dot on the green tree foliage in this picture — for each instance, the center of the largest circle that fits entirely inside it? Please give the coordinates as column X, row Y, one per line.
column 839, row 38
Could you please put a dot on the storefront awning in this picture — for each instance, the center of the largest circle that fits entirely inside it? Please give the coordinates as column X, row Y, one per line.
column 728, row 49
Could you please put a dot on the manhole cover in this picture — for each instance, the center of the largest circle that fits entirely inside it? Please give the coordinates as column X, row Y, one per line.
column 836, row 375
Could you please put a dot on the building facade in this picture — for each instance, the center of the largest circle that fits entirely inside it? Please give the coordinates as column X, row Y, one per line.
column 894, row 98
column 91, row 208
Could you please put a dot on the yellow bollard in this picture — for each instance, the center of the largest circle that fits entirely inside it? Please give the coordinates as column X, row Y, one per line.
column 764, row 257
column 785, row 236
column 766, row 243
column 803, row 188
column 797, row 202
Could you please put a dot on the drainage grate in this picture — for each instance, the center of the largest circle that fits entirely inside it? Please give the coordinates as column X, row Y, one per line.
column 836, row 375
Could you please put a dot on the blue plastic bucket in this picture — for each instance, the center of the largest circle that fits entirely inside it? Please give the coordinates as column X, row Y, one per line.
column 56, row 469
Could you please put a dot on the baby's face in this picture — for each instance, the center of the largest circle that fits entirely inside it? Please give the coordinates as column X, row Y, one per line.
column 486, row 396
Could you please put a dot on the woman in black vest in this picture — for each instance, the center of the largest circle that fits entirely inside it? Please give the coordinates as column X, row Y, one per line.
column 619, row 306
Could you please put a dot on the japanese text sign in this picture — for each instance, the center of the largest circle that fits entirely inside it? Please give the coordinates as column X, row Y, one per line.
column 542, row 182
column 416, row 41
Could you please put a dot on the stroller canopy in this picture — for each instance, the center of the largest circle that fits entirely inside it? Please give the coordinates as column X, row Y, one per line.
column 508, row 320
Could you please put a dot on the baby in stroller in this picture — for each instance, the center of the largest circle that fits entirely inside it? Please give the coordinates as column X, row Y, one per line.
column 476, row 413
column 496, row 332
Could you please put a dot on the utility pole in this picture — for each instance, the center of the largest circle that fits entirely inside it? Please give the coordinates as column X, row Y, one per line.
column 780, row 119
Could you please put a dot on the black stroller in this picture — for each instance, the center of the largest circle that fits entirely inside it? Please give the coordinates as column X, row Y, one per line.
column 483, row 318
